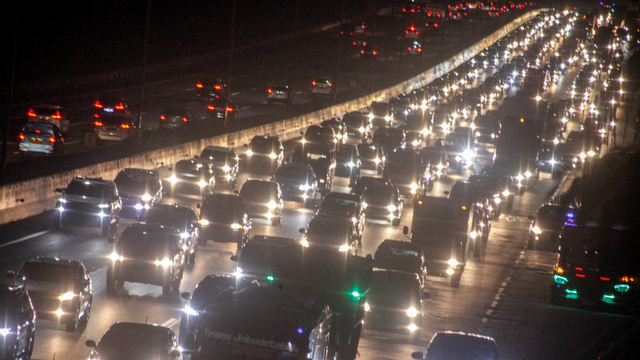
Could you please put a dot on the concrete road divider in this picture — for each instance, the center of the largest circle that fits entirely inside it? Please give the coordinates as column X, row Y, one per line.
column 31, row 197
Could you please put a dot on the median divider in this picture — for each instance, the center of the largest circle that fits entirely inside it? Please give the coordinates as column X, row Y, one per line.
column 31, row 197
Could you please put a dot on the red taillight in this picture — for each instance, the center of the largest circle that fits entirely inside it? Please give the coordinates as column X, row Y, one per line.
column 98, row 123
column 270, row 91
column 120, row 106
column 218, row 87
column 580, row 275
column 211, row 107
column 229, row 109
column 605, row 279
column 162, row 117
column 52, row 139
column 98, row 105
column 32, row 113
column 314, row 83
column 363, row 26
column 362, row 51
column 21, row 136
column 37, row 131
column 579, row 269
column 199, row 86
column 435, row 25
column 330, row 85
column 56, row 115
column 185, row 119
column 375, row 53
column 125, row 126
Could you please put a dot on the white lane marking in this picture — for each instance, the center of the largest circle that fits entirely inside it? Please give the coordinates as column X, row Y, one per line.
column 494, row 304
column 489, row 312
column 26, row 238
column 169, row 323
column 497, row 297
column 235, row 93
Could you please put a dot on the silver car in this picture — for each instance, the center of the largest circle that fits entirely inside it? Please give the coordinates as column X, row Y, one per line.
column 41, row 138
column 115, row 127
column 322, row 86
column 279, row 94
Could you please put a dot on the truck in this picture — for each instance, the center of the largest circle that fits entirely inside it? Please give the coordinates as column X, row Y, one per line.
column 446, row 231
column 311, row 308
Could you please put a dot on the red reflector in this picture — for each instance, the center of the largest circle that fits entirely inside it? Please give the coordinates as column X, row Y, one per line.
column 52, row 139
column 31, row 113
column 580, row 275
column 604, row 279
column 97, row 123
column 98, row 105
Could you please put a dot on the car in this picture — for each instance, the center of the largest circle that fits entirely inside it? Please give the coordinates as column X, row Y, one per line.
column 401, row 255
column 298, row 182
column 41, row 138
column 492, row 188
column 50, row 114
column 459, row 345
column 414, row 48
column 139, row 189
column 348, row 163
column 280, row 93
column 369, row 52
column 321, row 138
column 394, row 302
column 254, row 261
column 348, row 206
column 174, row 117
column 408, row 172
column 547, row 224
column 322, row 86
column 412, row 33
column 216, row 110
column 323, row 163
column 18, row 321
column 401, row 106
column 265, row 152
column 263, row 199
column 334, row 233
column 224, row 162
column 372, row 157
column 471, row 195
column 111, row 105
column 358, row 126
column 368, row 181
column 115, row 127
column 224, row 218
column 204, row 293
column 61, row 290
column 384, row 202
column 208, row 89
column 192, row 177
column 339, row 129
column 389, row 138
column 124, row 340
column 89, row 201
column 381, row 114
column 179, row 217
column 148, row 254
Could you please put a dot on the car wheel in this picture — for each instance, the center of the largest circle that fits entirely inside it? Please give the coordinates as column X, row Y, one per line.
column 87, row 313
column 166, row 288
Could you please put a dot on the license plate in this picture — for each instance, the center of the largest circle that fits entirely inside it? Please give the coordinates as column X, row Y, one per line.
column 109, row 110
column 36, row 141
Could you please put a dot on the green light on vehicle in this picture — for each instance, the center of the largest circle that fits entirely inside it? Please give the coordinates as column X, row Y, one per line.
column 608, row 298
column 571, row 294
column 355, row 294
column 621, row 288
column 270, row 277
column 560, row 279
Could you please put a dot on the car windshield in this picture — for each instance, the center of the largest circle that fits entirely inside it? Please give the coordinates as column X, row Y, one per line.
column 188, row 167
column 397, row 258
column 36, row 271
column 378, row 195
column 291, row 172
column 339, row 206
column 461, row 347
column 45, row 111
column 170, row 111
column 223, row 210
column 489, row 183
column 133, row 344
column 390, row 285
column 323, row 230
column 257, row 254
column 135, row 182
column 462, row 191
column 166, row 217
column 379, row 109
column 262, row 145
column 259, row 191
column 319, row 133
column 553, row 216
column 354, row 120
column 217, row 156
column 87, row 188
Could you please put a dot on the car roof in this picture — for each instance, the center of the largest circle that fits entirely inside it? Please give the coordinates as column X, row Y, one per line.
column 271, row 240
column 402, row 244
column 222, row 197
column 219, row 148
column 296, row 166
column 140, row 227
column 149, row 172
column 174, row 207
column 97, row 181
column 53, row 261
column 343, row 196
column 139, row 326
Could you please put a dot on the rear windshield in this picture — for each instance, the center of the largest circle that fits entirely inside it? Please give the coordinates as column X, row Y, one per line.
column 217, row 156
column 291, row 172
column 37, row 128
column 136, row 182
column 223, row 210
column 174, row 112
column 45, row 111
column 379, row 109
column 339, row 206
column 353, row 120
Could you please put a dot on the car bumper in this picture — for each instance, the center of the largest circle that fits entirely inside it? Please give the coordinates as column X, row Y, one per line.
column 43, row 148
column 142, row 273
column 223, row 234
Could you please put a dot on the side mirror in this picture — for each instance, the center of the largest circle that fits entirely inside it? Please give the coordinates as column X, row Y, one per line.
column 198, row 206
column 301, row 230
column 417, row 355
column 233, row 258
column 531, row 217
column 112, row 240
column 91, row 344
column 59, row 190
column 405, row 230
column 425, row 295
column 185, row 295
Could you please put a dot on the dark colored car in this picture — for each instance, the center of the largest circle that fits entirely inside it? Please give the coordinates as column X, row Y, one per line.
column 280, row 93
column 369, row 181
column 298, row 182
column 358, row 126
column 224, row 162
column 174, row 117
column 348, row 163
column 330, row 232
column 319, row 138
column 265, row 152
column 381, row 114
column 401, row 255
column 263, row 199
column 471, row 195
column 126, row 340
column 408, row 172
column 547, row 224
column 384, row 202
column 216, row 109
column 224, row 218
column 339, row 129
column 459, row 345
column 111, row 105
column 492, row 188
column 18, row 321
column 394, row 302
column 389, row 138
column 89, row 201
column 60, row 290
column 204, row 293
column 192, row 177
column 182, row 218
column 322, row 162
column 254, row 261
column 372, row 157
column 348, row 206
column 369, row 52
column 115, row 126
column 40, row 138
column 139, row 189
column 208, row 89
column 148, row 254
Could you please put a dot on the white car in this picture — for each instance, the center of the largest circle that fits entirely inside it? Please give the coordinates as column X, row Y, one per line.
column 322, row 86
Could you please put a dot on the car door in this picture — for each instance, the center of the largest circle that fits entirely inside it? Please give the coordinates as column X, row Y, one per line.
column 192, row 224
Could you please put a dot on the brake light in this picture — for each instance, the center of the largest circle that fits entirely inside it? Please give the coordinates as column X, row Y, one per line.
column 229, row 109
column 199, row 86
column 162, row 117
column 125, row 126
column 217, row 87
column 97, row 123
column 605, row 279
column 52, row 139
column 98, row 105
column 185, row 119
column 32, row 113
column 314, row 83
column 362, row 51
column 330, row 85
column 269, row 91
column 21, row 136
column 120, row 106
column 375, row 52
column 580, row 275
column 56, row 115
column 37, row 131
column 559, row 270
column 211, row 107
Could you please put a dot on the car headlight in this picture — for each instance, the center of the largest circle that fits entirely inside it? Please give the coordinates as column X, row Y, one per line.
column 249, row 152
column 351, row 164
column 387, row 118
column 4, row 332
column 189, row 311
column 304, row 187
column 103, row 206
column 440, row 167
column 146, row 197
column 273, row 155
column 367, row 308
column 202, row 183
column 304, row 243
column 114, row 256
column 173, row 179
column 203, row 222
column 339, row 136
column 364, row 205
column 473, row 234
column 362, row 129
column 415, row 143
column 527, row 174
column 392, row 208
column 272, row 205
column 520, row 177
column 236, row 226
column 458, row 158
column 497, row 200
column 344, row 248
column 67, row 296
column 370, row 116
column 226, row 168
column 165, row 263
column 453, row 263
column 536, row 230
column 376, row 160
column 321, row 181
column 506, row 193
column 412, row 312
column 414, row 186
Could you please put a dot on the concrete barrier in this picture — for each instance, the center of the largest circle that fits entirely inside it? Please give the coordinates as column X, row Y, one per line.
column 31, row 197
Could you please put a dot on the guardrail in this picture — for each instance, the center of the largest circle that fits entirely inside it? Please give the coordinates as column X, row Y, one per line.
column 34, row 196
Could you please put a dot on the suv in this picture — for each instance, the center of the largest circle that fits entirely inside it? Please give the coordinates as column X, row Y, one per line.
column 18, row 321
column 381, row 114
column 111, row 105
column 192, row 177
column 322, row 86
column 174, row 116
column 265, row 152
column 89, row 201
column 223, row 218
column 211, row 89
column 263, row 199
column 149, row 254
column 140, row 341
column 139, row 189
column 115, row 127
column 182, row 218
column 60, row 290
column 224, row 162
column 280, row 94
column 52, row 114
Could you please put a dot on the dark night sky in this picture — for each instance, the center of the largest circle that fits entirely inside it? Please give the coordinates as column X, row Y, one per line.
column 65, row 38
